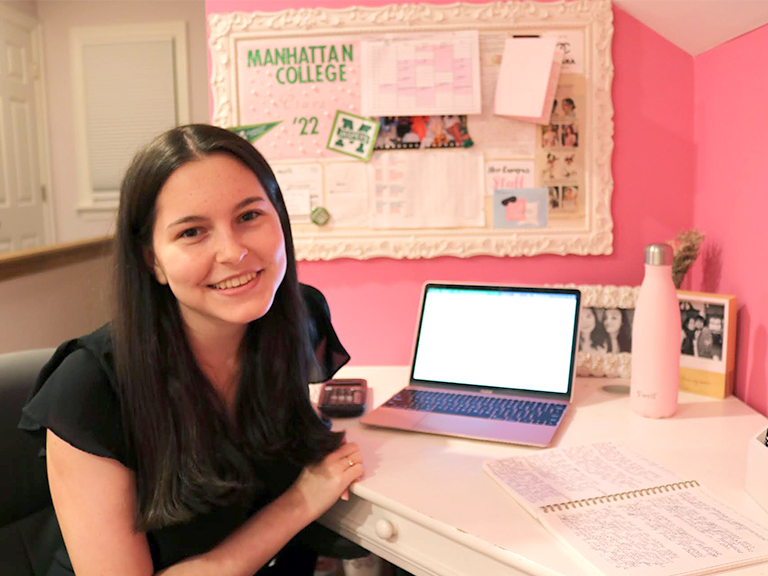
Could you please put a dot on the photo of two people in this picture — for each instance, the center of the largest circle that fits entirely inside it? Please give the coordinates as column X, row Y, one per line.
column 702, row 333
column 605, row 330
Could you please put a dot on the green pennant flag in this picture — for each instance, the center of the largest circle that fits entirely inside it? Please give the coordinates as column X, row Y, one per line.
column 254, row 131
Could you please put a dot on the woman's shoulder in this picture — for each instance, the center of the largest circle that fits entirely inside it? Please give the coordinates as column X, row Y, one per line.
column 329, row 351
column 88, row 357
column 317, row 309
column 75, row 397
column 313, row 298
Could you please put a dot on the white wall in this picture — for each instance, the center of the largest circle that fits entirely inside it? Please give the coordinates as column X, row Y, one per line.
column 45, row 308
column 28, row 7
column 56, row 19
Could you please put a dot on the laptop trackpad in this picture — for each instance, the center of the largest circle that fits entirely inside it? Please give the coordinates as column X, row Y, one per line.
column 515, row 432
column 394, row 418
column 457, row 425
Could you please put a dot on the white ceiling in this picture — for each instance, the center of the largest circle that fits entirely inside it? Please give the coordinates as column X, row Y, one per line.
column 698, row 25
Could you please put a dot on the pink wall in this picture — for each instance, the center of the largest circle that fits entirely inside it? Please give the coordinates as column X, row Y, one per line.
column 375, row 302
column 731, row 203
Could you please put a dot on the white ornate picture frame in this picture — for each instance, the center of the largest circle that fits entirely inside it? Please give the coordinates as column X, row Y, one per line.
column 593, row 236
column 601, row 298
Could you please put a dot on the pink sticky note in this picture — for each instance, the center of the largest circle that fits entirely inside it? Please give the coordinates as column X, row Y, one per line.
column 515, row 211
column 443, row 59
column 425, row 96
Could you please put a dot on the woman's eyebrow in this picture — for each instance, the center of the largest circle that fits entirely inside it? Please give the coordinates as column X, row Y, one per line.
column 240, row 206
column 186, row 220
column 248, row 201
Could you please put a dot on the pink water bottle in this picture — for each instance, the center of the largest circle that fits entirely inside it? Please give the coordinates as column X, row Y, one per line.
column 655, row 377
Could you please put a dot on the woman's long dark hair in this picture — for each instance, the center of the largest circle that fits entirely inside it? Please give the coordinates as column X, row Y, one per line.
column 623, row 337
column 188, row 456
column 598, row 337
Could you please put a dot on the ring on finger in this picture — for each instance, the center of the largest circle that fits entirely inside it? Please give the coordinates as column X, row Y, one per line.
column 350, row 462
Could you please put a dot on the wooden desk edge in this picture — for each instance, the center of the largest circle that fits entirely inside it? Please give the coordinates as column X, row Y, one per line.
column 334, row 519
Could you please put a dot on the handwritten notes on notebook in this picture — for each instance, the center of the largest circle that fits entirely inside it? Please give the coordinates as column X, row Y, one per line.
column 530, row 69
column 628, row 515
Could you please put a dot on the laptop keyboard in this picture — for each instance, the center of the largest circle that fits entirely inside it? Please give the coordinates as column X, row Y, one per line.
column 490, row 408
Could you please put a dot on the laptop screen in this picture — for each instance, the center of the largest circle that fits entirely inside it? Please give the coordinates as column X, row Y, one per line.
column 497, row 337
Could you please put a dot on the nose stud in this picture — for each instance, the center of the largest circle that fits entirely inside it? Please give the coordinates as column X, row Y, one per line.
column 243, row 255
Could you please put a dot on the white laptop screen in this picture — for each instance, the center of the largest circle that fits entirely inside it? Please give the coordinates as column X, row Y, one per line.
column 497, row 337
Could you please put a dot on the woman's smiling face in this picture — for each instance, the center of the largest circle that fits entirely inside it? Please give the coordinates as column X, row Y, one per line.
column 612, row 320
column 587, row 323
column 217, row 242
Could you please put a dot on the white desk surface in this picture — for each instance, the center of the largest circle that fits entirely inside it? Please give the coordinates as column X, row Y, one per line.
column 453, row 519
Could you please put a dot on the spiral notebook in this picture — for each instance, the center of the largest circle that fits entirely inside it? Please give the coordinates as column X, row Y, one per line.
column 625, row 514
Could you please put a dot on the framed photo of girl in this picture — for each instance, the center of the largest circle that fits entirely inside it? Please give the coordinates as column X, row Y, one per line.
column 707, row 343
column 605, row 330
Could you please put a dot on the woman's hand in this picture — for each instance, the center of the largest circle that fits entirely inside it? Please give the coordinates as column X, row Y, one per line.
column 320, row 485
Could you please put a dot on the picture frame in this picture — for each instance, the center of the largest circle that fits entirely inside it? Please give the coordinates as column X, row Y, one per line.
column 605, row 353
column 708, row 338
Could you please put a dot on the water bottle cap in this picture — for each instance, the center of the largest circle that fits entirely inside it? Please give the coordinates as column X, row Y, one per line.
column 658, row 254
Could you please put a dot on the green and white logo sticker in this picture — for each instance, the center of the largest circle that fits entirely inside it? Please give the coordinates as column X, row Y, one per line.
column 353, row 135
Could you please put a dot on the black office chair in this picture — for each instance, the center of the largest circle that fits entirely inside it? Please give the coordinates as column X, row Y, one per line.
column 29, row 534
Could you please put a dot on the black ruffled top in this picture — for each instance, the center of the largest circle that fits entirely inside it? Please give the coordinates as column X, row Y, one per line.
column 76, row 398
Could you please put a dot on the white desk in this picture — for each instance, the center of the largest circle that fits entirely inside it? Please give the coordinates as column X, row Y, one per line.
column 451, row 519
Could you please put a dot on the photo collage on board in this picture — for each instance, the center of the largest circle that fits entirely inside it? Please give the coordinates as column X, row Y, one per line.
column 420, row 132
column 562, row 151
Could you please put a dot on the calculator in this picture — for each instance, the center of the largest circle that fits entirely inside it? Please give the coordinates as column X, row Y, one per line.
column 343, row 397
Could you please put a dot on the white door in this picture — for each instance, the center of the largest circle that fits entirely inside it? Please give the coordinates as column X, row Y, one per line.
column 22, row 222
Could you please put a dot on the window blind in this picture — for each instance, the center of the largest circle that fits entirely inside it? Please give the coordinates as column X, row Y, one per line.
column 130, row 97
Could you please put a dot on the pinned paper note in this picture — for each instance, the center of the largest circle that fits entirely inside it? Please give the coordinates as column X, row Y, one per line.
column 515, row 208
column 508, row 174
column 421, row 73
column 297, row 81
column 419, row 190
column 346, row 187
column 520, row 208
column 530, row 69
column 302, row 188
column 571, row 44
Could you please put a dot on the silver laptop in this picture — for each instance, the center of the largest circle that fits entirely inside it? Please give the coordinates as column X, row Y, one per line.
column 489, row 362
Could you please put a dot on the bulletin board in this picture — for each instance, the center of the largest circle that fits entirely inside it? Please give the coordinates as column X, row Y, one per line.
column 292, row 81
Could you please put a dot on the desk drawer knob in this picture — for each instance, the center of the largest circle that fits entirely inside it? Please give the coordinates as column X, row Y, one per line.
column 385, row 529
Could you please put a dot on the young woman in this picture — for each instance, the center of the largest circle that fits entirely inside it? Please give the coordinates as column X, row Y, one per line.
column 592, row 335
column 688, row 334
column 617, row 326
column 570, row 138
column 549, row 136
column 180, row 439
column 569, row 108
